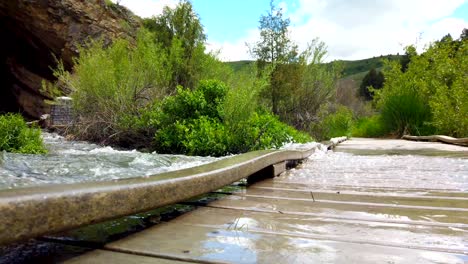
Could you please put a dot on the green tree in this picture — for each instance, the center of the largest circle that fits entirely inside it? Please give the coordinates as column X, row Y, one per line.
column 464, row 34
column 181, row 33
column 316, row 86
column 275, row 49
column 374, row 79
column 405, row 59
column 431, row 95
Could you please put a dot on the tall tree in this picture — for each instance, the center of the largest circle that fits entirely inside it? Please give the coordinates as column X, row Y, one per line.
column 275, row 49
column 464, row 34
column 405, row 59
column 374, row 79
column 180, row 31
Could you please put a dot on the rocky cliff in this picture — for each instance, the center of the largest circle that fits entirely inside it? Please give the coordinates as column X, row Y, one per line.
column 35, row 32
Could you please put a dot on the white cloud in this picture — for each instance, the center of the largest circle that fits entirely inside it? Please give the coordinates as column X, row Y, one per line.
column 235, row 51
column 361, row 29
column 364, row 28
column 351, row 29
column 146, row 8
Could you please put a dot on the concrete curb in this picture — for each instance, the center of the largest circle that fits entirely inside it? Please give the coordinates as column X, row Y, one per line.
column 335, row 141
column 441, row 138
column 31, row 212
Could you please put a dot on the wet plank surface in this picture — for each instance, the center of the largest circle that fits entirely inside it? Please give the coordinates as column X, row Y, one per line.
column 335, row 208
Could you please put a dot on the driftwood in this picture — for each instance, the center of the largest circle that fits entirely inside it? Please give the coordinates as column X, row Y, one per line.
column 441, row 138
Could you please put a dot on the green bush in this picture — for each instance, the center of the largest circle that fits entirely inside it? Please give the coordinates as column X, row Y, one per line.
column 197, row 123
column 16, row 136
column 339, row 123
column 369, row 127
column 112, row 82
column 205, row 100
column 264, row 131
column 430, row 96
column 406, row 112
column 332, row 120
column 203, row 136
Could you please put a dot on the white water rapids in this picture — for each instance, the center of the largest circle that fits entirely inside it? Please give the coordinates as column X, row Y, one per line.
column 73, row 161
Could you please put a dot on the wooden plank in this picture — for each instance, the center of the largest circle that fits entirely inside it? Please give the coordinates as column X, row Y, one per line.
column 281, row 220
column 105, row 256
column 441, row 138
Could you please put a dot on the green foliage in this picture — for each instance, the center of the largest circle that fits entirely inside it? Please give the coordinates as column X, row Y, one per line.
column 242, row 99
column 275, row 51
column 51, row 91
column 237, row 66
column 448, row 90
column 274, row 46
column 180, row 31
column 202, row 122
column 16, row 136
column 298, row 82
column 339, row 123
column 405, row 112
column 365, row 65
column 115, row 81
column 266, row 131
column 201, row 136
column 332, row 120
column 317, row 87
column 191, row 114
column 431, row 95
column 464, row 34
column 154, row 93
column 372, row 126
column 373, row 79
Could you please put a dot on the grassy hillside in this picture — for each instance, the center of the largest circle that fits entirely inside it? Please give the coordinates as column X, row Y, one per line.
column 351, row 69
column 363, row 66
column 239, row 65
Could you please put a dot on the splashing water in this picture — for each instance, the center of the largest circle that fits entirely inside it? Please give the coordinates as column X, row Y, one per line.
column 73, row 161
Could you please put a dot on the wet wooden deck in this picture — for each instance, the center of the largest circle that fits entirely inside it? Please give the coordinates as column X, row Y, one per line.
column 304, row 218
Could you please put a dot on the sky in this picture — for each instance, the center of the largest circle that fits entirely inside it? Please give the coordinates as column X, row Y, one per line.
column 351, row 29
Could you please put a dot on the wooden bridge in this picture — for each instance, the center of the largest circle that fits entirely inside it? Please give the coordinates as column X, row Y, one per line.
column 298, row 217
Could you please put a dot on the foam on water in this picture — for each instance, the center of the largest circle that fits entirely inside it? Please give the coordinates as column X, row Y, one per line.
column 393, row 171
column 74, row 161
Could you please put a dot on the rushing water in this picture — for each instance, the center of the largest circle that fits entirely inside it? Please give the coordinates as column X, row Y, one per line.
column 384, row 171
column 72, row 161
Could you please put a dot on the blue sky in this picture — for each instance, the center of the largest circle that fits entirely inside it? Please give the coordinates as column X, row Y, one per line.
column 227, row 20
column 354, row 29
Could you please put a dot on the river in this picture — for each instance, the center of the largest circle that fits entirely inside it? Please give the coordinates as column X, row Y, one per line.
column 75, row 161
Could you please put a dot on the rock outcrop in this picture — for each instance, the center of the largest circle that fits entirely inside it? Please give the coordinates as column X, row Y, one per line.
column 36, row 32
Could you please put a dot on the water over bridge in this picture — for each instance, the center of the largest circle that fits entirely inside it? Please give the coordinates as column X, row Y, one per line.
column 370, row 201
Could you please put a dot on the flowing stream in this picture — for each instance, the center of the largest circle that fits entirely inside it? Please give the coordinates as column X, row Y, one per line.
column 73, row 161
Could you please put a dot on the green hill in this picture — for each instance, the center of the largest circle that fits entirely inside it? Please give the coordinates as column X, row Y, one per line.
column 363, row 66
column 239, row 65
column 355, row 69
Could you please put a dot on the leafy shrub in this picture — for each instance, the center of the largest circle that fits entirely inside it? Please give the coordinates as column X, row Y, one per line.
column 205, row 100
column 406, row 112
column 202, row 136
column 16, row 136
column 449, row 91
column 197, row 123
column 264, row 130
column 369, row 127
column 339, row 123
column 430, row 96
column 332, row 120
column 111, row 82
